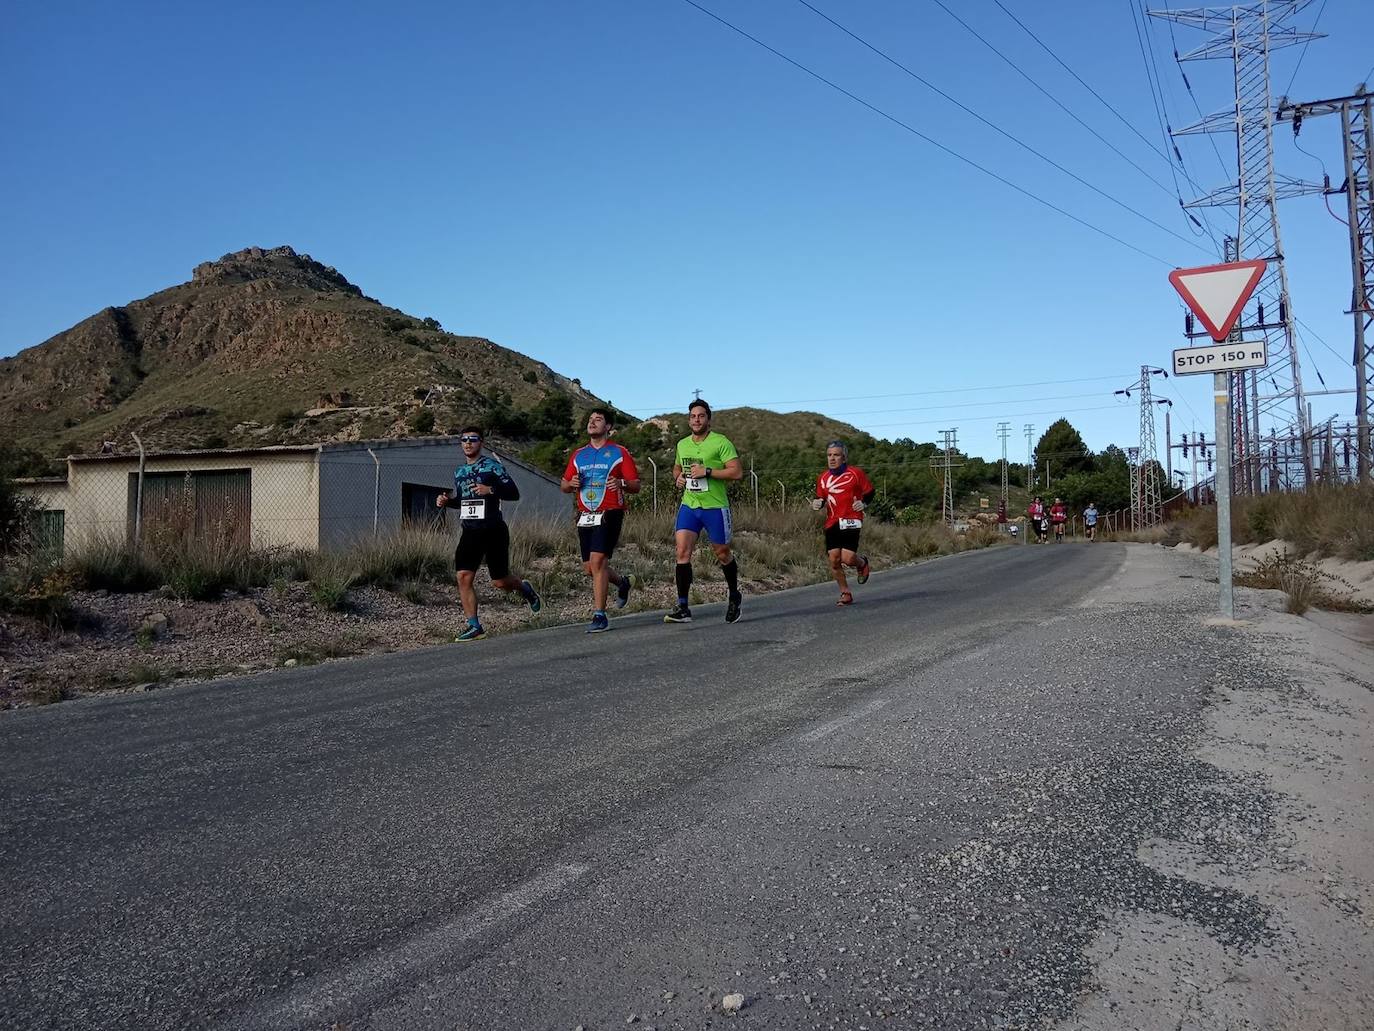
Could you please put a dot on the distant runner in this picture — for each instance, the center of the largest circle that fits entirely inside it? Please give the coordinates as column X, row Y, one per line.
column 844, row 492
column 705, row 461
column 1090, row 520
column 1036, row 511
column 480, row 485
column 1059, row 515
column 600, row 474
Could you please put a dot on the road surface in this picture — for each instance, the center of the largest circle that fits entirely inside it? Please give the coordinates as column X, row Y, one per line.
column 915, row 811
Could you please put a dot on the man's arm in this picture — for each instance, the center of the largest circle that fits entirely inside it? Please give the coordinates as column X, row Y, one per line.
column 734, row 470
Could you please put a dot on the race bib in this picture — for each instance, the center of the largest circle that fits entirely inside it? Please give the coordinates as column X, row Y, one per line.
column 697, row 484
column 589, row 519
column 851, row 524
column 473, row 509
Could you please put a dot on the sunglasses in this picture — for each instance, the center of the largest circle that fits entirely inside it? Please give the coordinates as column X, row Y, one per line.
column 470, row 440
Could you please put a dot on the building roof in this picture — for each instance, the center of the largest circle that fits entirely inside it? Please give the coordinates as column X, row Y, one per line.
column 281, row 449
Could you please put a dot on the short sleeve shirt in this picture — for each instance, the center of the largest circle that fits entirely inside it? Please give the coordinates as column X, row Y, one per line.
column 841, row 489
column 713, row 451
column 593, row 466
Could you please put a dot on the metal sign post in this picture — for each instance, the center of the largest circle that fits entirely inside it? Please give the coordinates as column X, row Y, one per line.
column 1216, row 294
column 1221, row 388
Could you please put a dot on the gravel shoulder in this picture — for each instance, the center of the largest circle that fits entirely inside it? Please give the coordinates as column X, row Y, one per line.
column 1297, row 720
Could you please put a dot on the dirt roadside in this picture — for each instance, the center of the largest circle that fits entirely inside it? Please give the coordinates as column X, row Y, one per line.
column 1301, row 721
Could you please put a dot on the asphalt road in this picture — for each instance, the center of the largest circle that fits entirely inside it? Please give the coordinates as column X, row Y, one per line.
column 909, row 811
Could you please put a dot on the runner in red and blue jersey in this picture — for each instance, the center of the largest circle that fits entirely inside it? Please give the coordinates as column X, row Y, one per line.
column 600, row 474
column 844, row 491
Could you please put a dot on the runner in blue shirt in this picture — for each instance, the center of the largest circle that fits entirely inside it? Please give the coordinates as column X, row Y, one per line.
column 1090, row 521
column 480, row 485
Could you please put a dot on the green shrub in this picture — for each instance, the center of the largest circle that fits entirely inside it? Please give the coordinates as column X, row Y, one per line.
column 422, row 421
column 331, row 592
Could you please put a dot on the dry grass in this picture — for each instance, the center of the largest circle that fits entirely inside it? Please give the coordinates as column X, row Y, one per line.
column 1332, row 522
column 1306, row 585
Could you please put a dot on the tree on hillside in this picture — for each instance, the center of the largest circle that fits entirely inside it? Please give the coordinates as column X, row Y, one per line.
column 1062, row 446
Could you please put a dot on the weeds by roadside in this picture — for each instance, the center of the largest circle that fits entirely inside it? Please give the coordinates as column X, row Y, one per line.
column 1306, row 585
column 305, row 608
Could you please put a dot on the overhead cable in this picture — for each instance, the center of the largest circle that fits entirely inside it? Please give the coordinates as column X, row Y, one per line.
column 934, row 143
column 997, row 128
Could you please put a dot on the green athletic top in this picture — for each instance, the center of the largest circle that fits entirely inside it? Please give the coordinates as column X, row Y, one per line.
column 713, row 452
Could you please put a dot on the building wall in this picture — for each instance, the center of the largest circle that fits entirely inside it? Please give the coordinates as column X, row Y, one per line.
column 352, row 486
column 285, row 496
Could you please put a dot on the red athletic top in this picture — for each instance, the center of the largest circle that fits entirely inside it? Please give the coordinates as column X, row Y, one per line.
column 1059, row 514
column 594, row 466
column 841, row 489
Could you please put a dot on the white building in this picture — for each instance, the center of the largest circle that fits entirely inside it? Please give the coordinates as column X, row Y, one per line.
column 306, row 496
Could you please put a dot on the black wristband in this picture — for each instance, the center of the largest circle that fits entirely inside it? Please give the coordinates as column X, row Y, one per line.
column 708, row 472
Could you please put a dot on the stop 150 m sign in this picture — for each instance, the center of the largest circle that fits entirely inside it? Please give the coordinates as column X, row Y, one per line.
column 1220, row 358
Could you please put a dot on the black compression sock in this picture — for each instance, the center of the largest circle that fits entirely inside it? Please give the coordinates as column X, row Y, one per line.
column 684, row 580
column 731, row 572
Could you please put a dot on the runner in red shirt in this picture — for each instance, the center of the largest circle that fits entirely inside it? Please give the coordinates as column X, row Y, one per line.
column 1059, row 515
column 599, row 475
column 844, row 492
column 1036, row 511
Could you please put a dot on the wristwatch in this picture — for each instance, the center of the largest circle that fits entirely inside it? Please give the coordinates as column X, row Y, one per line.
column 708, row 472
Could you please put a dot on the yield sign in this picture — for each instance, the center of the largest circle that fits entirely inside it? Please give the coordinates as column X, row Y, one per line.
column 1217, row 293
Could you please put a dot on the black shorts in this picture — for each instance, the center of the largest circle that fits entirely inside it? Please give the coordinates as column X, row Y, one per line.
column 844, row 540
column 490, row 542
column 603, row 538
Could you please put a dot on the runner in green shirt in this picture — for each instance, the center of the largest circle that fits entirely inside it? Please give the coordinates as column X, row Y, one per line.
column 705, row 460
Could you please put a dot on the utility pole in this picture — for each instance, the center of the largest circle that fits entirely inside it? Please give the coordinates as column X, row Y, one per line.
column 1148, row 494
column 946, row 465
column 1357, row 146
column 1003, row 432
column 1030, row 458
column 1246, row 34
column 1168, row 447
column 1133, row 466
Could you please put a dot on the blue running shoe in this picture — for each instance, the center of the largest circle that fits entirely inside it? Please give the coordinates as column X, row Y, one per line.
column 600, row 623
column 473, row 632
column 531, row 595
column 622, row 594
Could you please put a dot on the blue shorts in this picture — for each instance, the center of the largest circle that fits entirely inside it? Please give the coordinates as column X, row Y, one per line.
column 714, row 522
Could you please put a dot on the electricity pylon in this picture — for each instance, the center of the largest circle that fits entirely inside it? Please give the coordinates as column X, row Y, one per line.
column 1246, row 34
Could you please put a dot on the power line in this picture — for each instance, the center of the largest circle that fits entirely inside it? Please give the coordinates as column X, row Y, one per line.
column 1057, row 102
column 920, row 135
column 1303, row 52
column 994, row 126
column 1124, row 121
column 1161, row 114
column 1211, row 137
column 736, row 403
column 1105, row 103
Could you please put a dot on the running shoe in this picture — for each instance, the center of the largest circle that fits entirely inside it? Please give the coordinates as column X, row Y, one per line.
column 531, row 595
column 732, row 608
column 600, row 623
column 864, row 570
column 472, row 632
column 622, row 594
column 681, row 614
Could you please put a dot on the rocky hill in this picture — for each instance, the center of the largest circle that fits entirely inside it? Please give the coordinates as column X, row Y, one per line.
column 263, row 346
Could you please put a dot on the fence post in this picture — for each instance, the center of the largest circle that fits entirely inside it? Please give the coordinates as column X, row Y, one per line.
column 138, row 494
column 655, row 467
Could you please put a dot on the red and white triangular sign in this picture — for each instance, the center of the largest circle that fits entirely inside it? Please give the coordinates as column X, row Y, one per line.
column 1217, row 293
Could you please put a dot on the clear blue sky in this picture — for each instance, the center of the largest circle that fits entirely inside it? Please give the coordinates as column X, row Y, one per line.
column 636, row 195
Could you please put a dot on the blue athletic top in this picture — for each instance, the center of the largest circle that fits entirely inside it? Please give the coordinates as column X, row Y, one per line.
column 489, row 471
